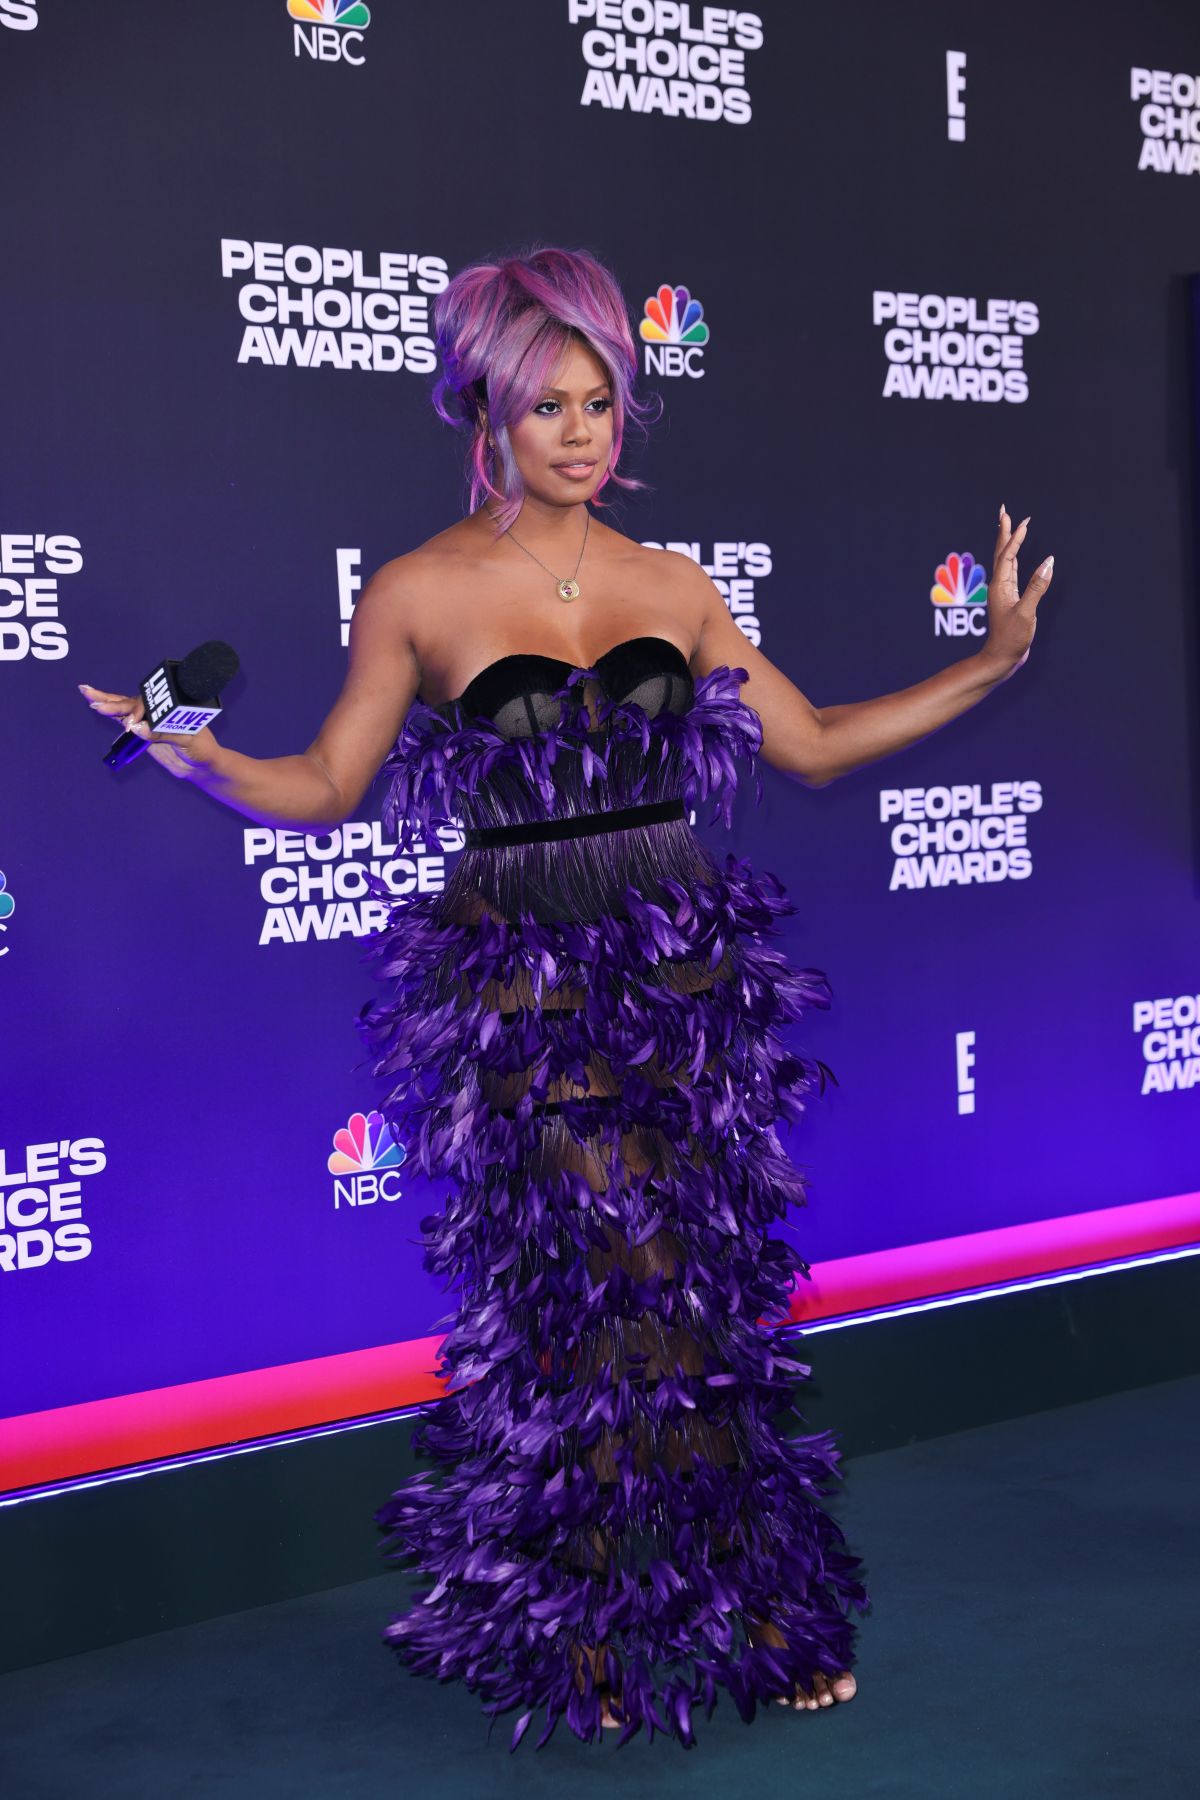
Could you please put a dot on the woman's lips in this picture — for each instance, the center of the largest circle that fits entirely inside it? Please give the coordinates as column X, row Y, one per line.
column 576, row 471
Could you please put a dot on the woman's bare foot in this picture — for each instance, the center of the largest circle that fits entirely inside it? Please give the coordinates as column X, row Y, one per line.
column 595, row 1660
column 825, row 1691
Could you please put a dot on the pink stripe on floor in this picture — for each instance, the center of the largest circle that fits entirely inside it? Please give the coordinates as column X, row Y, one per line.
column 129, row 1429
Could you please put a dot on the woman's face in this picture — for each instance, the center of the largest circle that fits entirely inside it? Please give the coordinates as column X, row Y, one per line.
column 563, row 445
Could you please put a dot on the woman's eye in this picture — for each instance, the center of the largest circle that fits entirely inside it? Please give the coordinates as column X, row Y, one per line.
column 546, row 407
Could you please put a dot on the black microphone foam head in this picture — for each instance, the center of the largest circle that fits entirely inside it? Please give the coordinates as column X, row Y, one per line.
column 202, row 674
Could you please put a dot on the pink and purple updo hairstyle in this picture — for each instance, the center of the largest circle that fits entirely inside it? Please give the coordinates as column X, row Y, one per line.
column 501, row 330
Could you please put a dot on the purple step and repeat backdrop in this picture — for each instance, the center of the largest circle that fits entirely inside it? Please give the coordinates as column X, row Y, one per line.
column 942, row 260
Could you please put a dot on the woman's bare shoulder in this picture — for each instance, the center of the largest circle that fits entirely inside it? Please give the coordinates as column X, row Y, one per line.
column 670, row 565
column 670, row 574
column 412, row 574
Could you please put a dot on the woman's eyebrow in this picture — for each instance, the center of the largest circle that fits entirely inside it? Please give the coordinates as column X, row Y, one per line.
column 598, row 389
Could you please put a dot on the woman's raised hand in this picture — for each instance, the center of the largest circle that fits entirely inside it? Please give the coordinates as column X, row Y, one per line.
column 180, row 756
column 1012, row 616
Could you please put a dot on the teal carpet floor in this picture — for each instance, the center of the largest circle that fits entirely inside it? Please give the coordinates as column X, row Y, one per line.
column 1036, row 1587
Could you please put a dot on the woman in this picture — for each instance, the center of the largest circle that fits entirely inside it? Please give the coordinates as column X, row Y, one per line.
column 583, row 1036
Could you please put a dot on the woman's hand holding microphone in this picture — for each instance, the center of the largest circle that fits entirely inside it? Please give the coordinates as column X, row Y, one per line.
column 294, row 792
column 180, row 755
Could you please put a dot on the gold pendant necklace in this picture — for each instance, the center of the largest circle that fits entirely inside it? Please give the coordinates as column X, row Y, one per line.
column 566, row 586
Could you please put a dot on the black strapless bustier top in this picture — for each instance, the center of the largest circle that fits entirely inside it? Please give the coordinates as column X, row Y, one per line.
column 526, row 696
column 523, row 694
column 569, row 783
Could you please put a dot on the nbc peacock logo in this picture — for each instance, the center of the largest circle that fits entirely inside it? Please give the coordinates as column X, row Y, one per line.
column 329, row 30
column 342, row 13
column 959, row 596
column 7, row 908
column 674, row 333
column 365, row 1161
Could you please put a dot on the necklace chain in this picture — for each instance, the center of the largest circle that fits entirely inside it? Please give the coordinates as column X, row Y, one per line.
column 568, row 586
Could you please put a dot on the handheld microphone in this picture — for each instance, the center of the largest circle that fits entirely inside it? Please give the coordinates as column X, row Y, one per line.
column 179, row 696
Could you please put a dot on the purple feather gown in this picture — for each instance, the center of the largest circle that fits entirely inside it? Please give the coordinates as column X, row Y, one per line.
column 582, row 1037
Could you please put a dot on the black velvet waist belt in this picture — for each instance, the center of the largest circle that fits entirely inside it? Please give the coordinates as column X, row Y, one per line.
column 544, row 831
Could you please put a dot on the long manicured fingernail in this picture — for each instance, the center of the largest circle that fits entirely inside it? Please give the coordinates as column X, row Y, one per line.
column 1047, row 567
column 84, row 688
column 1002, row 509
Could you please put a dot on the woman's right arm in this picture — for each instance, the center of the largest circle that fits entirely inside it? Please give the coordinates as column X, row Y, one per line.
column 324, row 784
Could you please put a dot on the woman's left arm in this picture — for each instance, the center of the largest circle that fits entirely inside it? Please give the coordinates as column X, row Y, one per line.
column 816, row 744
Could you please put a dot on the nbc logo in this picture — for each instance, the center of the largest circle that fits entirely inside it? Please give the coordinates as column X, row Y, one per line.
column 674, row 333
column 364, row 1162
column 959, row 595
column 7, row 907
column 329, row 30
